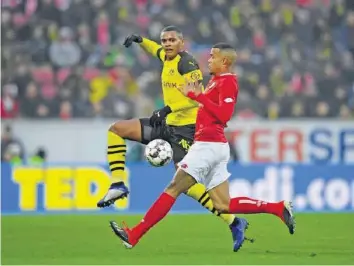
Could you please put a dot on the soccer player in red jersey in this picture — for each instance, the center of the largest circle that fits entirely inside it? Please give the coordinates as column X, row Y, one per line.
column 206, row 161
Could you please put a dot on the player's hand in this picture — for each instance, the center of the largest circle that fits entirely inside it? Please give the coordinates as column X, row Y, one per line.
column 132, row 38
column 191, row 87
column 159, row 116
column 183, row 89
column 187, row 87
column 198, row 88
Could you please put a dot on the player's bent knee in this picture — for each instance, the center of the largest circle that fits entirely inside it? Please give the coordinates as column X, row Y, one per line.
column 127, row 129
column 172, row 189
column 120, row 128
column 180, row 183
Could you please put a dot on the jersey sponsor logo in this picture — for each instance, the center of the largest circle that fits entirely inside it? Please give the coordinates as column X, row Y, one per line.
column 228, row 100
column 170, row 85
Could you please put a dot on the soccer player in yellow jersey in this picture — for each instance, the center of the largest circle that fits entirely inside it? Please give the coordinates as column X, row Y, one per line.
column 174, row 123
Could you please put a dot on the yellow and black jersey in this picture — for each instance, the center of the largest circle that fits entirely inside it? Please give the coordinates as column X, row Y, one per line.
column 174, row 72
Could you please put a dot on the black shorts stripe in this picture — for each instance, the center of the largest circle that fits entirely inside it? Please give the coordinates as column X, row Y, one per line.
column 201, row 198
column 213, row 210
column 117, row 168
column 116, row 162
column 117, row 146
column 205, row 201
column 114, row 152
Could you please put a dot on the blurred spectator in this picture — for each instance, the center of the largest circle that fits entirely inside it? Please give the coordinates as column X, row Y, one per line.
column 66, row 110
column 37, row 46
column 7, row 32
column 48, row 11
column 33, row 105
column 64, row 59
column 277, row 81
column 38, row 158
column 298, row 109
column 21, row 78
column 12, row 149
column 64, row 52
column 345, row 112
column 273, row 110
column 350, row 32
column 302, row 83
column 322, row 109
column 101, row 85
column 9, row 102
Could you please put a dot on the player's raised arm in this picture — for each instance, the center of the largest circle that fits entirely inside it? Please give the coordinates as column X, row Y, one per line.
column 148, row 45
column 153, row 48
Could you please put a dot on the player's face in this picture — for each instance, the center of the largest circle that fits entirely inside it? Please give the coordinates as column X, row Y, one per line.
column 216, row 61
column 171, row 43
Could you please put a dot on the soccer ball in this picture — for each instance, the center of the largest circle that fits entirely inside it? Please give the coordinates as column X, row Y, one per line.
column 158, row 152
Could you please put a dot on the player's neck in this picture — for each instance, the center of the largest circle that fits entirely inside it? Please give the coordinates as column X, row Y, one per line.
column 173, row 57
column 222, row 72
column 170, row 58
column 226, row 71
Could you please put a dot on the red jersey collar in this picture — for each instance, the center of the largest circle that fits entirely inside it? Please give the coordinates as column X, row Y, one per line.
column 224, row 74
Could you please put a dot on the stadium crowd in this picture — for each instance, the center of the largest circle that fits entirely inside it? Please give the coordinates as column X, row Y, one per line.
column 64, row 58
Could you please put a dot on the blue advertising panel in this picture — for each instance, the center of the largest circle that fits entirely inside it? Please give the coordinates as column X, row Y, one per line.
column 77, row 188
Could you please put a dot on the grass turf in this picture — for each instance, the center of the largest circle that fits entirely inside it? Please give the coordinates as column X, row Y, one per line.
column 179, row 239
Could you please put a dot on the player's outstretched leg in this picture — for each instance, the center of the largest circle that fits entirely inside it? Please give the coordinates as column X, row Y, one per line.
column 236, row 225
column 282, row 209
column 130, row 237
column 116, row 150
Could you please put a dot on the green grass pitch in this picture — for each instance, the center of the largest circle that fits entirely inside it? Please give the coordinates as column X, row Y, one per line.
column 179, row 239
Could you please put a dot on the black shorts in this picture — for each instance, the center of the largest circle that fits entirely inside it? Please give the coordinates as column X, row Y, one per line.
column 180, row 137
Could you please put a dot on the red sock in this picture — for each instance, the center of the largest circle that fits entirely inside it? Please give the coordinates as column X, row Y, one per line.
column 247, row 205
column 156, row 213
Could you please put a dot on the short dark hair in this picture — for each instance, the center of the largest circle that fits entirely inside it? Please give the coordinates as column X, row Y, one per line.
column 223, row 45
column 173, row 28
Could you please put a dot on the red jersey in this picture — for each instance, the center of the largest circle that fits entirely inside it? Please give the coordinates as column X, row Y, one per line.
column 217, row 105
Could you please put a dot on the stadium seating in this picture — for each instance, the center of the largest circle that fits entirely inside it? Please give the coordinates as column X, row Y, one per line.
column 295, row 57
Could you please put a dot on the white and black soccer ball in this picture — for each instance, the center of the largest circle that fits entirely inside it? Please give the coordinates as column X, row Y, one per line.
column 158, row 152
